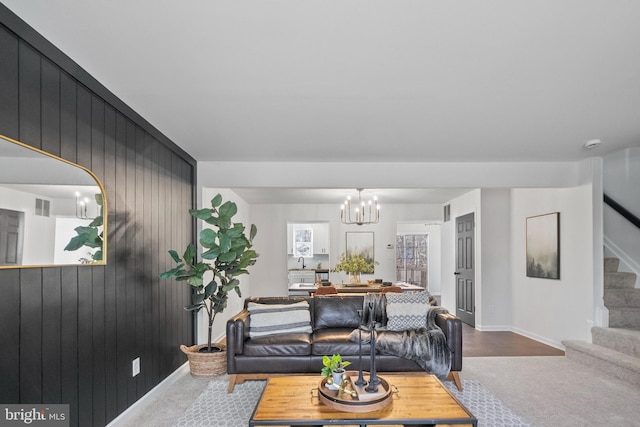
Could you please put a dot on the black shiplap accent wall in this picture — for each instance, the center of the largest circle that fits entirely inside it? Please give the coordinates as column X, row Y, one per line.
column 69, row 334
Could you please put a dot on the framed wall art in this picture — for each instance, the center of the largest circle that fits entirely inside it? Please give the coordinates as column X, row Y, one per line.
column 360, row 243
column 543, row 246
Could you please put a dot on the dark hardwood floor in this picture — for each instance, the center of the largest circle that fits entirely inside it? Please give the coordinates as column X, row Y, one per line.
column 501, row 343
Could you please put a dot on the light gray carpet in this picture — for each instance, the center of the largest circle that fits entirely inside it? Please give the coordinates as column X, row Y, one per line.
column 556, row 391
column 544, row 391
column 215, row 408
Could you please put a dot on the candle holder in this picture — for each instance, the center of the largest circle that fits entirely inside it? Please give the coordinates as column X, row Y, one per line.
column 360, row 381
column 373, row 377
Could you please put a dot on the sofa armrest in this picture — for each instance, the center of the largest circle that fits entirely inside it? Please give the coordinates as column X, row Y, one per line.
column 237, row 327
column 452, row 327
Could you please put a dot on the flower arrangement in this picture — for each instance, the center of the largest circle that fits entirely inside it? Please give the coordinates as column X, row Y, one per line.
column 354, row 265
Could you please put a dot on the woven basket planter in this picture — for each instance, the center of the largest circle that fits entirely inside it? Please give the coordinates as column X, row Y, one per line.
column 206, row 365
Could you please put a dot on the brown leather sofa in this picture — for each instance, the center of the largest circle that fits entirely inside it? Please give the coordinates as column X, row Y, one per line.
column 333, row 318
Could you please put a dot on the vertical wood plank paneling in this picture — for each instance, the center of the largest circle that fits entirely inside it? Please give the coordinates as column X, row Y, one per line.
column 68, row 114
column 98, row 285
column 155, row 263
column 187, row 203
column 10, row 279
column 50, row 108
column 140, row 248
column 176, row 237
column 118, row 245
column 149, row 281
column 85, row 347
column 10, row 336
column 9, row 122
column 51, row 335
column 29, row 95
column 110, row 299
column 83, row 127
column 130, row 257
column 165, row 260
column 69, row 341
column 31, row 335
column 69, row 334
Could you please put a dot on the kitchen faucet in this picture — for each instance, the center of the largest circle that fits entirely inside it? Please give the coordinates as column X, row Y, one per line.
column 302, row 258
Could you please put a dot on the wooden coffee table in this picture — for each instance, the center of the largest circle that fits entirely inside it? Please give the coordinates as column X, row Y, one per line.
column 420, row 400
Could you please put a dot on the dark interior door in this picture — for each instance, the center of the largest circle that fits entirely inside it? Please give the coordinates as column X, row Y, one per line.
column 10, row 237
column 465, row 272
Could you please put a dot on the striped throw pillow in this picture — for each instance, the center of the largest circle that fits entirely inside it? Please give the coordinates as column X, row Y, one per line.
column 272, row 319
column 407, row 310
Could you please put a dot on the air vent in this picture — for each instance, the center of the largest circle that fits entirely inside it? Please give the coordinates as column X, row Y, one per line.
column 42, row 207
column 447, row 213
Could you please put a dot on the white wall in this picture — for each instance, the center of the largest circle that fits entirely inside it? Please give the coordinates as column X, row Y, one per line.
column 235, row 303
column 495, row 280
column 554, row 310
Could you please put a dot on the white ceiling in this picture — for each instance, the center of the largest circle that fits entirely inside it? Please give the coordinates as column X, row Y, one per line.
column 364, row 80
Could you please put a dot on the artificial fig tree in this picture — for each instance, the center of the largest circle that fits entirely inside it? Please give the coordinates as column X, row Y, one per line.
column 227, row 254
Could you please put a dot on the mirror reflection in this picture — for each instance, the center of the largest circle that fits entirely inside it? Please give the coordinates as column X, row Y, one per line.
column 51, row 210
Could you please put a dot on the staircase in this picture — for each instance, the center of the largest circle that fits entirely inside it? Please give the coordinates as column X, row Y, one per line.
column 616, row 349
column 621, row 298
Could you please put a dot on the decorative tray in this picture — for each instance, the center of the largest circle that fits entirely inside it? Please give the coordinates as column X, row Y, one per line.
column 355, row 398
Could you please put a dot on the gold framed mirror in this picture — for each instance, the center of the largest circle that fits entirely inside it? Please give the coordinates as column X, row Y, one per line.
column 52, row 211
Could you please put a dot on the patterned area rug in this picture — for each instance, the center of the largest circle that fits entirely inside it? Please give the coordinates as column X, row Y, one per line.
column 234, row 410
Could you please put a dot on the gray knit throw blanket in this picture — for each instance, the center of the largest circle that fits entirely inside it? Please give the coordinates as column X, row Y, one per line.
column 426, row 346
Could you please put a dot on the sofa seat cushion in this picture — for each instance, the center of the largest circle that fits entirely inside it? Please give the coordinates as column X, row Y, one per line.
column 335, row 341
column 295, row 344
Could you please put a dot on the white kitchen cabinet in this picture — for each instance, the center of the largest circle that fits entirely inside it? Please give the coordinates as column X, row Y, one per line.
column 302, row 276
column 321, row 238
column 289, row 239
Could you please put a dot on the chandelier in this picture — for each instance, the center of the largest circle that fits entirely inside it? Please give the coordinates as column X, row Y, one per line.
column 82, row 204
column 360, row 211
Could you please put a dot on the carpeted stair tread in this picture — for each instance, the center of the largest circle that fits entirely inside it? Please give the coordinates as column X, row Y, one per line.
column 624, row 317
column 625, row 341
column 611, row 265
column 620, row 365
column 622, row 297
column 620, row 279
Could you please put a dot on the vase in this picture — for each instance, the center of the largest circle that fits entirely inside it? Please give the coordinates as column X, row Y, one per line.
column 337, row 377
column 354, row 277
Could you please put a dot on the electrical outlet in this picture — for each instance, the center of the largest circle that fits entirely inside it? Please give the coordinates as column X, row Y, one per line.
column 135, row 367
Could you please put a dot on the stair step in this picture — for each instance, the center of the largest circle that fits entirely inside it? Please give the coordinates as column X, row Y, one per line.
column 622, row 297
column 602, row 359
column 619, row 280
column 625, row 341
column 611, row 265
column 624, row 317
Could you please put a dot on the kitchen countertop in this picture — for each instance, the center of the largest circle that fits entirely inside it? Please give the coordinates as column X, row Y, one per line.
column 343, row 288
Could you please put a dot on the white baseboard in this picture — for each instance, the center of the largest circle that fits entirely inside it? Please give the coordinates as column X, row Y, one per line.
column 538, row 338
column 493, row 328
column 132, row 410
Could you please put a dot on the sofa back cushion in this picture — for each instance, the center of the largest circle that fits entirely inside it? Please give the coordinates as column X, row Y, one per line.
column 272, row 319
column 336, row 312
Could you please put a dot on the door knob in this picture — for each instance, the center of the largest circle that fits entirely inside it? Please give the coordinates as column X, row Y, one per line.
column 456, row 273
